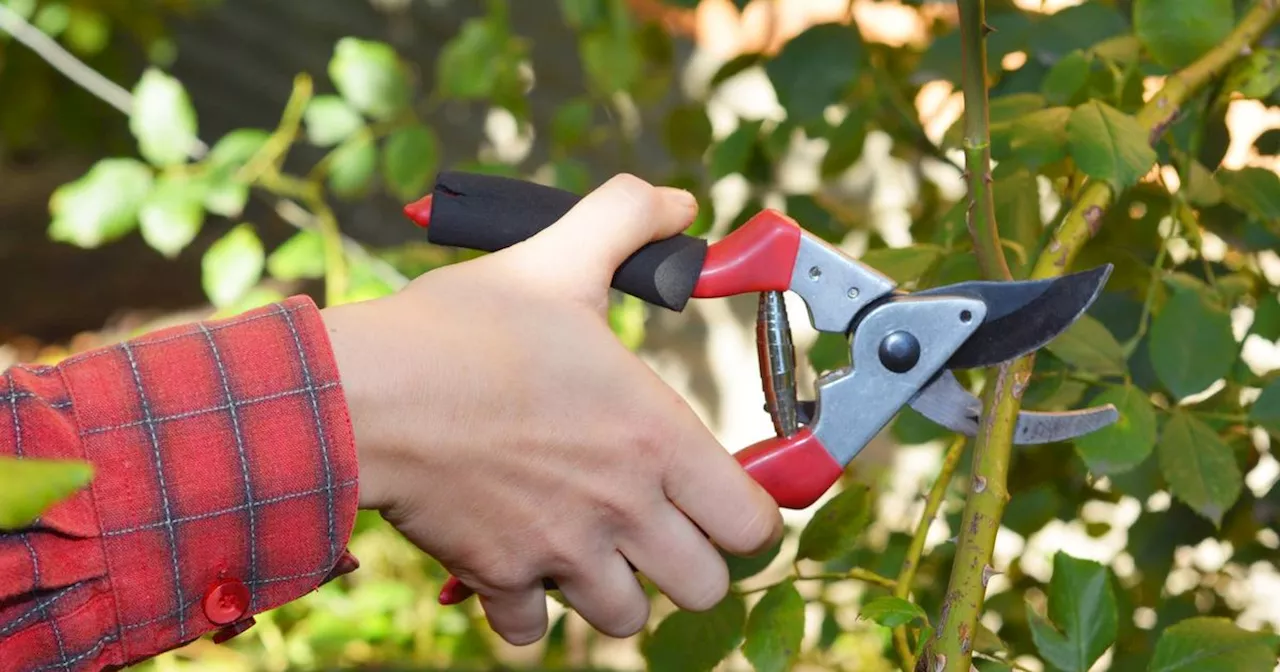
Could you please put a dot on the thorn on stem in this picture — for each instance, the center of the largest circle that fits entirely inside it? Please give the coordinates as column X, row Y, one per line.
column 940, row 663
column 979, row 483
column 987, row 29
column 987, row 572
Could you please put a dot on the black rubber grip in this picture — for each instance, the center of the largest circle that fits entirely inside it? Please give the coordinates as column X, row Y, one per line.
column 489, row 213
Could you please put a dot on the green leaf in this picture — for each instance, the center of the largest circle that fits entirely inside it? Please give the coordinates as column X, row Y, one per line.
column 1109, row 145
column 1213, row 644
column 1266, row 317
column 775, row 629
column 626, row 319
column 1257, row 76
column 1200, row 468
column 1266, row 408
column 409, row 159
column 1188, row 360
column 735, row 66
column 835, row 527
column 1178, row 33
column 30, row 487
column 1088, row 346
column 904, row 265
column 330, row 120
column 301, row 256
column 232, row 265
column 1254, row 191
column 162, row 119
column 353, row 166
column 234, row 149
column 746, row 567
column 1082, row 620
column 571, row 175
column 571, row 122
column 102, row 205
column 687, row 131
column 891, row 611
column 687, row 641
column 847, row 142
column 613, row 62
column 1065, row 79
column 370, row 76
column 815, row 69
column 465, row 67
column 1040, row 138
column 172, row 215
column 1201, row 188
column 1126, row 443
column 731, row 154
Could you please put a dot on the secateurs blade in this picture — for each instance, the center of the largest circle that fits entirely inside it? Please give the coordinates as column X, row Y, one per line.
column 903, row 346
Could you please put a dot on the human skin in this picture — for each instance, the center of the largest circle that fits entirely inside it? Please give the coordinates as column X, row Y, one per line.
column 502, row 427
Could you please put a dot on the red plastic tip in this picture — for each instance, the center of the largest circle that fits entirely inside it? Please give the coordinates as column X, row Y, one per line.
column 419, row 211
column 453, row 592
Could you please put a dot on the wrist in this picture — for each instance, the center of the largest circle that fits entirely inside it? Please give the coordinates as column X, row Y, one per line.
column 351, row 329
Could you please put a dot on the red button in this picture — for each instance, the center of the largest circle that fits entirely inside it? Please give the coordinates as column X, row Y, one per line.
column 226, row 601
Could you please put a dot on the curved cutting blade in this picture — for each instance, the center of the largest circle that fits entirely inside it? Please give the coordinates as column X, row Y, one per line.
column 1022, row 316
column 947, row 403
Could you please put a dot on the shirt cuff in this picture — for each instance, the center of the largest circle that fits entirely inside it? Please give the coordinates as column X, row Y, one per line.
column 231, row 486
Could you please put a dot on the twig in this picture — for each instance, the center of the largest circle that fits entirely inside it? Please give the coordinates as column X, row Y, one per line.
column 121, row 99
column 952, row 651
column 912, row 560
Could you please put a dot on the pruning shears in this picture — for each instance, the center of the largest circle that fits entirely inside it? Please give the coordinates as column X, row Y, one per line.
column 903, row 345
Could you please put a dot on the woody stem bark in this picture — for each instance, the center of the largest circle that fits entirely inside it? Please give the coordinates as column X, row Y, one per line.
column 951, row 651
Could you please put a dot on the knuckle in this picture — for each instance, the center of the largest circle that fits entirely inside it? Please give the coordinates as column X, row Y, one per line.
column 711, row 589
column 758, row 531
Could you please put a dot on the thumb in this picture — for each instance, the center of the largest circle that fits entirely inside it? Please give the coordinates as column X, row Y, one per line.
column 613, row 221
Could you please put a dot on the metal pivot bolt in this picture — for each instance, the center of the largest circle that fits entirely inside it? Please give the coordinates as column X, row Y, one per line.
column 777, row 362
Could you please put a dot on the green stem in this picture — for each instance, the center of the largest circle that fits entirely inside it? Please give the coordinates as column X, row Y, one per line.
column 911, row 562
column 271, row 155
column 965, row 596
column 312, row 196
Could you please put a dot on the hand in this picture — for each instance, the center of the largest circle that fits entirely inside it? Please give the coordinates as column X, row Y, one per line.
column 504, row 429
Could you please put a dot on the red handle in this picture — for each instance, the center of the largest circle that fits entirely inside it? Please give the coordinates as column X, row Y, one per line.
column 796, row 471
column 758, row 256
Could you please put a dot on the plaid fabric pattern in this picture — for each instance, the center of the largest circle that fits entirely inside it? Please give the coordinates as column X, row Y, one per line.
column 225, row 485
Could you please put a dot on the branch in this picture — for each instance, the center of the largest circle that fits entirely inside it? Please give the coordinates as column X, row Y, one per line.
column 121, row 99
column 952, row 650
column 981, row 215
column 912, row 560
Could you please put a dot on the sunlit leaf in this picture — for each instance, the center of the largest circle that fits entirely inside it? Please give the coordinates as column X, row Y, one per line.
column 891, row 611
column 835, row 527
column 775, row 629
column 353, row 166
column 814, row 69
column 409, row 159
column 1213, row 644
column 30, row 487
column 370, row 76
column 171, row 216
column 626, row 318
column 102, row 205
column 1126, row 443
column 162, row 120
column 1088, row 346
column 1200, row 468
column 1177, row 33
column 234, row 149
column 687, row 641
column 232, row 265
column 1108, row 144
column 330, row 120
column 1188, row 360
column 903, row 264
column 301, row 256
column 1040, row 138
column 1082, row 618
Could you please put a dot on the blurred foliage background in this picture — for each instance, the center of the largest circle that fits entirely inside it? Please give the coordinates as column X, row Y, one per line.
column 174, row 159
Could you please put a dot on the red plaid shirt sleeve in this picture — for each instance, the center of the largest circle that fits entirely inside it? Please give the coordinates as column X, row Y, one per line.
column 225, row 485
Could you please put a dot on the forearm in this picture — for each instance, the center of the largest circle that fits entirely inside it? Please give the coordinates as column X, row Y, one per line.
column 225, row 485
